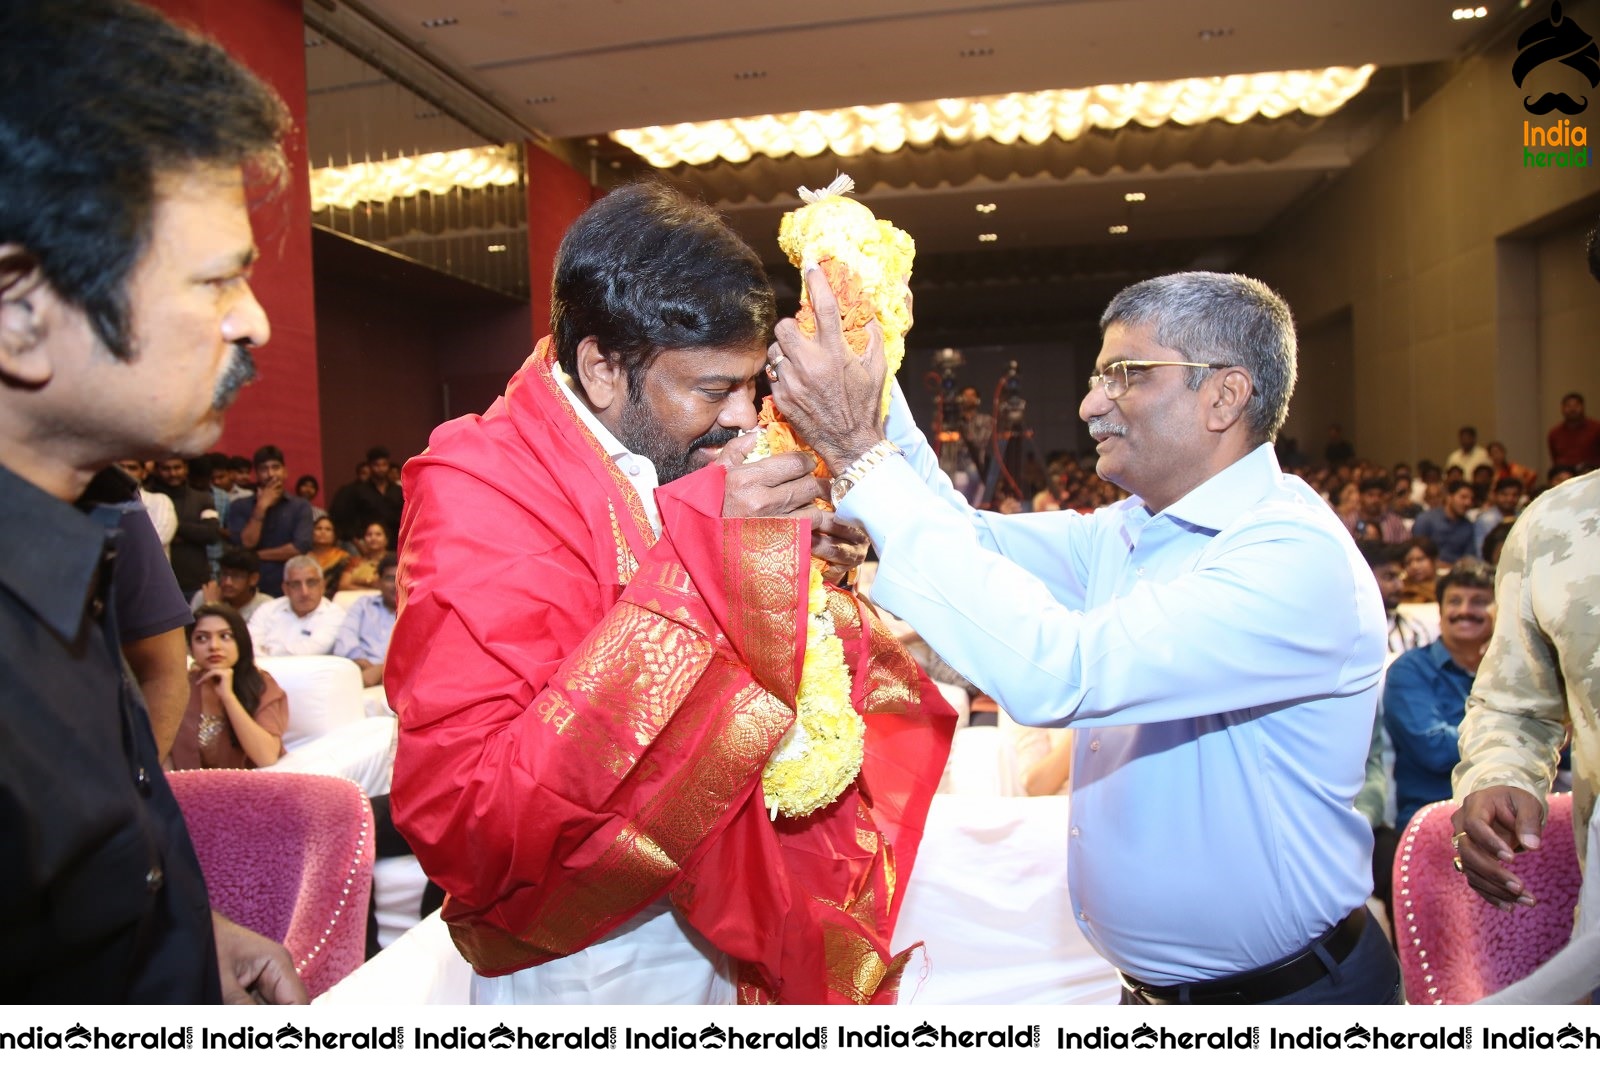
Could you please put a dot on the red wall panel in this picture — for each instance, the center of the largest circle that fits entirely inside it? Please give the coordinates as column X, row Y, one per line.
column 282, row 407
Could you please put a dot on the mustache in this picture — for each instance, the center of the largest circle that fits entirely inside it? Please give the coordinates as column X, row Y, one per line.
column 240, row 372
column 1467, row 616
column 1102, row 425
column 1555, row 102
column 715, row 437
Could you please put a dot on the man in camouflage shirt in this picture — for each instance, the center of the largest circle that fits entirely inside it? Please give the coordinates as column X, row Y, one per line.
column 1537, row 679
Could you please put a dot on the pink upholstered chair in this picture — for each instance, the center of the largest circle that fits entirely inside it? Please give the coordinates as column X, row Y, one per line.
column 1454, row 947
column 289, row 856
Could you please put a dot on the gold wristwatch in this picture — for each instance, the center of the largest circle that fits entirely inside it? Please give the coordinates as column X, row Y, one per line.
column 846, row 481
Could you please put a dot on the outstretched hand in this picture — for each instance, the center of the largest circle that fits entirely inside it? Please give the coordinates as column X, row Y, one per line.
column 1491, row 825
column 254, row 969
column 841, row 545
column 779, row 486
column 832, row 397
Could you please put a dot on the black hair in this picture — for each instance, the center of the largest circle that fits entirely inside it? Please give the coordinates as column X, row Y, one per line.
column 248, row 685
column 240, row 463
column 303, row 479
column 1508, row 482
column 646, row 269
column 1494, row 541
column 389, row 560
column 1374, row 482
column 377, row 452
column 1380, row 553
column 265, row 453
column 1426, row 545
column 1466, row 572
column 240, row 559
column 1573, row 396
column 1454, row 486
column 98, row 100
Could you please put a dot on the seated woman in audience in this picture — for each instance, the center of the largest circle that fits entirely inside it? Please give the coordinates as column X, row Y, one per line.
column 237, row 713
column 326, row 551
column 362, row 572
column 1421, row 563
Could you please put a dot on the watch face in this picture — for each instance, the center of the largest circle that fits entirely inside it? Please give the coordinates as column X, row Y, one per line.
column 841, row 486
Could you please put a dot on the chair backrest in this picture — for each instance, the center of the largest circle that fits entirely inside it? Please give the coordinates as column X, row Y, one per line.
column 346, row 598
column 288, row 856
column 324, row 694
column 1456, row 948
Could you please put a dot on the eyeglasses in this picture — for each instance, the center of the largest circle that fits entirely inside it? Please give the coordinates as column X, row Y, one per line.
column 1114, row 378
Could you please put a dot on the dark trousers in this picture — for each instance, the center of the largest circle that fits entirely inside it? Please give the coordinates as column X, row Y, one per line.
column 1369, row 975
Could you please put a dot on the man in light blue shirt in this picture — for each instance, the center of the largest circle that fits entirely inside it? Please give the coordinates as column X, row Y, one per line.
column 1216, row 639
column 364, row 637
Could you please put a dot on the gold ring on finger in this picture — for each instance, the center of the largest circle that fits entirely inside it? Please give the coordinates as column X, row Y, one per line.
column 1456, row 863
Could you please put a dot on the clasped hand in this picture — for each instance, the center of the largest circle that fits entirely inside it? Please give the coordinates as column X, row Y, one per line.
column 787, row 486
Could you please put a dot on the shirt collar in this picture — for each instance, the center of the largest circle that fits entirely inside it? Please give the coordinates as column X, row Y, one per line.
column 53, row 552
column 1217, row 501
column 639, row 470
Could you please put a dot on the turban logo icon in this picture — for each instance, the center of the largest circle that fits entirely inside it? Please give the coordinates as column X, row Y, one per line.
column 1559, row 40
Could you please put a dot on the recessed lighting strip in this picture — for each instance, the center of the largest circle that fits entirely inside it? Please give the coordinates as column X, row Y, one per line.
column 1031, row 117
column 435, row 172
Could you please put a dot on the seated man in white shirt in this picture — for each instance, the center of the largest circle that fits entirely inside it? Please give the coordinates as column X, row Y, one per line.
column 302, row 622
column 364, row 637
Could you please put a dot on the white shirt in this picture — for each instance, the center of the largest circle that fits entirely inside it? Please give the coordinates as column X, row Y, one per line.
column 277, row 631
column 163, row 516
column 639, row 470
column 1468, row 461
column 1220, row 659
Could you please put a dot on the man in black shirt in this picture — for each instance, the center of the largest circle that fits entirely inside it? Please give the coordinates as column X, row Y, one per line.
column 126, row 319
column 199, row 525
column 374, row 499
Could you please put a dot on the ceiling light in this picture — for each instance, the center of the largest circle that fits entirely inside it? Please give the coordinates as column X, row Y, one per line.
column 1216, row 34
column 434, row 24
column 436, row 172
column 988, row 237
column 1462, row 13
column 547, row 99
column 985, row 209
column 1117, row 229
column 1032, row 117
column 497, row 248
column 749, row 75
column 975, row 53
column 1133, row 198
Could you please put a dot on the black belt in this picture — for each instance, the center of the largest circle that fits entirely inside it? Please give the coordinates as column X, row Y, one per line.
column 1272, row 982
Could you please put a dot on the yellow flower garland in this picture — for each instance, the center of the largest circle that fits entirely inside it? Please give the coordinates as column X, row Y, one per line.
column 821, row 754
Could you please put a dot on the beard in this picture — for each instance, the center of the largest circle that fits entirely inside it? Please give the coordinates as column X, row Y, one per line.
column 646, row 437
column 240, row 372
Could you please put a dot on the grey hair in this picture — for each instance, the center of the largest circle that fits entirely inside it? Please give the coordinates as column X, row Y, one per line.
column 1219, row 318
column 300, row 563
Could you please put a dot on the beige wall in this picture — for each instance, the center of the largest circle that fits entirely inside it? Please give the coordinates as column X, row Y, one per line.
column 1461, row 272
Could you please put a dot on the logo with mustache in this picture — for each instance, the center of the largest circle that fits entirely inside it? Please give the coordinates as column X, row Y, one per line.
column 1558, row 40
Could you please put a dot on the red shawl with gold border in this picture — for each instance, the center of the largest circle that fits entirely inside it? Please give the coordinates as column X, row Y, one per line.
column 585, row 711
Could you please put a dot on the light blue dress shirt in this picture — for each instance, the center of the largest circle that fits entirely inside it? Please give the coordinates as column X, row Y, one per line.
column 366, row 631
column 1221, row 659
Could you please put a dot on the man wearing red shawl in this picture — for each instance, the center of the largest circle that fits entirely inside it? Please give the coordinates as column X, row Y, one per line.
column 591, row 672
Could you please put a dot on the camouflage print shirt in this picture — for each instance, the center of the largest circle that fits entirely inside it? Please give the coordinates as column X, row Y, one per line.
column 1541, row 673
